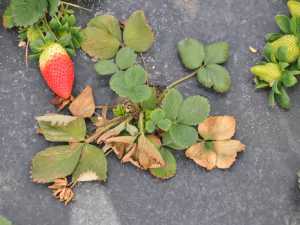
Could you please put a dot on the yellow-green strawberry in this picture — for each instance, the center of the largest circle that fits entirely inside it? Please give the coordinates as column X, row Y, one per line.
column 32, row 33
column 291, row 43
column 294, row 7
column 268, row 72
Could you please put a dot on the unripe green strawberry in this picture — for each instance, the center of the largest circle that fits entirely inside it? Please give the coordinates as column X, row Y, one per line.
column 268, row 72
column 57, row 69
column 32, row 33
column 294, row 7
column 291, row 43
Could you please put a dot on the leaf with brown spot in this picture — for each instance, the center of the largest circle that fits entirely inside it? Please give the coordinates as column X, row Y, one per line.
column 217, row 128
column 111, row 133
column 217, row 150
column 83, row 105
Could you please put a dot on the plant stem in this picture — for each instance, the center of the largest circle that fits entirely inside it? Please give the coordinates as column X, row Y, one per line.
column 26, row 53
column 45, row 22
column 39, row 30
column 55, row 16
column 76, row 6
column 97, row 134
column 147, row 80
column 175, row 83
column 101, row 107
column 141, row 123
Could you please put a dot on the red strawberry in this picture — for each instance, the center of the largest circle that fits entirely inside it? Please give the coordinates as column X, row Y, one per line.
column 57, row 69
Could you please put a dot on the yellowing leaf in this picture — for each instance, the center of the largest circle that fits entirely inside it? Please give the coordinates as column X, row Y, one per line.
column 137, row 34
column 83, row 105
column 56, row 119
column 217, row 128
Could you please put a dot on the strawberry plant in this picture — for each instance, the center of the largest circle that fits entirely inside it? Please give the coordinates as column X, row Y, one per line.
column 149, row 123
column 282, row 53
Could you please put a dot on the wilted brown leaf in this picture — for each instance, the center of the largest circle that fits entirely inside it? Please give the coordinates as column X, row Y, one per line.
column 83, row 105
column 216, row 150
column 60, row 102
column 111, row 133
column 121, row 145
column 217, row 128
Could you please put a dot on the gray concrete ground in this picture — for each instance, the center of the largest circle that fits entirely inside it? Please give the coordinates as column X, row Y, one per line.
column 259, row 189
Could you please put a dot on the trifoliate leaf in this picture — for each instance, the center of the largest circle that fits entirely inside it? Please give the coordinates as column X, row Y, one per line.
column 168, row 171
column 92, row 165
column 99, row 44
column 107, row 23
column 27, row 12
column 288, row 79
column 4, row 221
column 84, row 105
column 157, row 115
column 183, row 135
column 150, row 126
column 221, row 154
column 131, row 84
column 164, row 124
column 105, row 67
column 55, row 162
column 191, row 52
column 217, row 128
column 8, row 19
column 283, row 98
column 169, row 142
column 216, row 76
column 171, row 104
column 125, row 58
column 284, row 23
column 74, row 131
column 137, row 34
column 150, row 103
column 53, row 7
column 216, row 53
column 193, row 110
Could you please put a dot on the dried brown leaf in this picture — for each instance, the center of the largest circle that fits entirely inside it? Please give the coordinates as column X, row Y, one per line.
column 60, row 102
column 253, row 50
column 217, row 128
column 111, row 133
column 83, row 105
column 88, row 176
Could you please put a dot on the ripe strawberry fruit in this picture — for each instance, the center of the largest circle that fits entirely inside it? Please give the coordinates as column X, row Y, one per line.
column 57, row 69
column 291, row 43
column 294, row 7
column 268, row 72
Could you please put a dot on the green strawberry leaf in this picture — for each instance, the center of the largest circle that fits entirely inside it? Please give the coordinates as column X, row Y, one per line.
column 288, row 78
column 150, row 126
column 216, row 53
column 283, row 23
column 55, row 162
column 71, row 20
column 157, row 115
column 99, row 43
column 260, row 83
column 283, row 98
column 76, row 44
column 105, row 67
column 183, row 135
column 164, row 124
column 171, row 104
column 107, row 23
column 8, row 19
column 65, row 40
column 70, row 52
column 34, row 56
column 53, row 7
column 216, row 76
column 4, row 221
column 275, row 87
column 50, row 38
column 53, row 24
column 75, row 30
column 193, row 110
column 137, row 34
column 169, row 142
column 272, row 98
column 125, row 58
column 92, row 165
column 269, row 53
column 170, row 170
column 273, row 36
column 282, row 66
column 67, row 129
column 38, row 45
column 119, row 111
column 282, row 54
column 293, row 25
column 150, row 103
column 131, row 84
column 28, row 12
column 191, row 52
